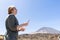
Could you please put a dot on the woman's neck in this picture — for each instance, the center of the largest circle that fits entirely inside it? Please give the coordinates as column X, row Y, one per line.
column 12, row 14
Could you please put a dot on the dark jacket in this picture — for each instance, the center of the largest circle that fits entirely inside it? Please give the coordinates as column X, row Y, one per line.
column 11, row 26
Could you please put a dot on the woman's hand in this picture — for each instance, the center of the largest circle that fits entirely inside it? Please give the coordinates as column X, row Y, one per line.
column 21, row 29
column 25, row 24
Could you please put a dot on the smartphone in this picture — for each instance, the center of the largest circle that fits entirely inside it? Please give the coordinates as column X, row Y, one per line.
column 28, row 21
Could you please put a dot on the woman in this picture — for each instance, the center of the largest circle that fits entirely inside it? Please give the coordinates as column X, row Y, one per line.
column 12, row 24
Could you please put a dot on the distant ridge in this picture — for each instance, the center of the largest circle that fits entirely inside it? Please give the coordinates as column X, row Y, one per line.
column 48, row 30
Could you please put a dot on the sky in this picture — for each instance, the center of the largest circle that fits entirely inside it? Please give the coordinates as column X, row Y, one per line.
column 41, row 13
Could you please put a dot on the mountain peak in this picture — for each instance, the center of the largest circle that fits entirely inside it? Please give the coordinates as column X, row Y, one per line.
column 48, row 30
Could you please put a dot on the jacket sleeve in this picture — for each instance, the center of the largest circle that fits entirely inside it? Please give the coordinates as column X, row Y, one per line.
column 12, row 24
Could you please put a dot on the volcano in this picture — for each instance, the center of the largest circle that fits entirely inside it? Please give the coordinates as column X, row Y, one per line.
column 48, row 30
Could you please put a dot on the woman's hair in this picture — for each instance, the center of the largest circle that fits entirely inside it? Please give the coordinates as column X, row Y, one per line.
column 10, row 9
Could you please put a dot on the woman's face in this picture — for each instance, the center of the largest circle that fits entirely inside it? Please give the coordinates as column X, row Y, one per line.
column 14, row 11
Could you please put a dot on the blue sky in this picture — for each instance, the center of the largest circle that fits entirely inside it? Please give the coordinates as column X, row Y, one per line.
column 42, row 13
